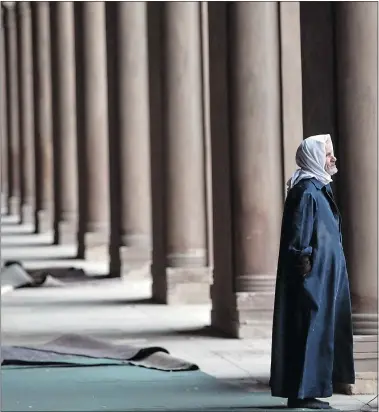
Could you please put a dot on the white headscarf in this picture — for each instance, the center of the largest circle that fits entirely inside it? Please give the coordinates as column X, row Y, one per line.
column 311, row 159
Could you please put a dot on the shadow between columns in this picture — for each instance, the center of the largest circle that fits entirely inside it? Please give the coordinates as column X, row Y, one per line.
column 110, row 334
column 82, row 303
column 78, row 24
column 206, row 331
column 112, row 29
column 17, row 233
column 11, row 245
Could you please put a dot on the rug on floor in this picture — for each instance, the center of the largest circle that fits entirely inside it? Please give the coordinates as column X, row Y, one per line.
column 123, row 388
column 75, row 349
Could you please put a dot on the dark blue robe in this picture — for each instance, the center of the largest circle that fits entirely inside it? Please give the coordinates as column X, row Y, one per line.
column 312, row 340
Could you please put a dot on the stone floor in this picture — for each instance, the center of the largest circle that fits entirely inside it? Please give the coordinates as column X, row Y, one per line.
column 120, row 311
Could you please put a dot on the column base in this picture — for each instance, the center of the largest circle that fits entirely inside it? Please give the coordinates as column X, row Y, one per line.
column 65, row 233
column 366, row 364
column 130, row 263
column 43, row 221
column 3, row 199
column 244, row 315
column 132, row 258
column 13, row 206
column 114, row 257
column 27, row 214
column 365, row 353
column 181, row 285
column 366, row 383
column 365, row 324
column 93, row 246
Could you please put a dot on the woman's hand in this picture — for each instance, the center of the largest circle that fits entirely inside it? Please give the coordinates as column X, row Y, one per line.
column 304, row 265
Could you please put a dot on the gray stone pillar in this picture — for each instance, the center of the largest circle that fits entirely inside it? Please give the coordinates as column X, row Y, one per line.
column 134, row 144
column 42, row 116
column 357, row 74
column 64, row 108
column 3, row 119
column 291, row 76
column 247, row 170
column 92, row 120
column 357, row 65
column 204, row 19
column 25, row 84
column 12, row 111
column 179, row 267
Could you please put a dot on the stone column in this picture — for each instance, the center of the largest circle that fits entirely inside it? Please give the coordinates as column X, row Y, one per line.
column 357, row 68
column 204, row 19
column 92, row 120
column 133, row 106
column 25, row 82
column 64, row 108
column 42, row 116
column 12, row 111
column 247, row 172
column 291, row 75
column 179, row 267
column 3, row 119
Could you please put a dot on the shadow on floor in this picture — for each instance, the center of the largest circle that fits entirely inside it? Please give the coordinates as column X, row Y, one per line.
column 24, row 232
column 5, row 222
column 251, row 384
column 31, row 245
column 205, row 332
column 244, row 408
column 115, row 336
column 166, row 333
column 42, row 257
column 81, row 303
column 256, row 408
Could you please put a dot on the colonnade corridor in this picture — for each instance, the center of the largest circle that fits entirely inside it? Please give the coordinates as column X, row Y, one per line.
column 145, row 151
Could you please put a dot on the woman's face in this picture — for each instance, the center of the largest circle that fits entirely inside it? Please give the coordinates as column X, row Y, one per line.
column 330, row 163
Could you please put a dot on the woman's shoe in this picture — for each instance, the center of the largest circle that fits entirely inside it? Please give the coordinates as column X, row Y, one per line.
column 308, row 403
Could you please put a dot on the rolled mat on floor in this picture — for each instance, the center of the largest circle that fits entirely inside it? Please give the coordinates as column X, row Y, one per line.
column 79, row 350
column 14, row 276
